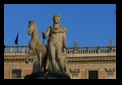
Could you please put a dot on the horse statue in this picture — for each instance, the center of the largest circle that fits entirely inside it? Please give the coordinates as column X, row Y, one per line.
column 37, row 47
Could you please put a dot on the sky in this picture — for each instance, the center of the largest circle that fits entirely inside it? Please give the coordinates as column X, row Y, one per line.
column 89, row 24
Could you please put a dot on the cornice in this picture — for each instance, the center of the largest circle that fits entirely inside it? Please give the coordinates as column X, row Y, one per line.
column 17, row 60
column 92, row 60
column 70, row 60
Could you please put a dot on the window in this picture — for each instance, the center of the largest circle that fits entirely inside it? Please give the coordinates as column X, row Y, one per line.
column 93, row 74
column 16, row 73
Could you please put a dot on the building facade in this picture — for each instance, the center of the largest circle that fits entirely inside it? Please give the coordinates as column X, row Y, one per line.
column 82, row 62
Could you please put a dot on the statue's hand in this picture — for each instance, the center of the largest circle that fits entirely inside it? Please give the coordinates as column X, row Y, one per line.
column 64, row 50
column 43, row 32
column 66, row 47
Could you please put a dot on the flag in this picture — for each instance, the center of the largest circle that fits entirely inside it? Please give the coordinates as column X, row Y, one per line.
column 4, row 47
column 16, row 40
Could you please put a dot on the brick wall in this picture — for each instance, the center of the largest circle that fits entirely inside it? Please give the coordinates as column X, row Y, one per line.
column 68, row 73
column 83, row 74
column 102, row 74
column 27, row 72
column 6, row 73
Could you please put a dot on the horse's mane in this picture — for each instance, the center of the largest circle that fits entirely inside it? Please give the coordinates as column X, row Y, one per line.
column 33, row 22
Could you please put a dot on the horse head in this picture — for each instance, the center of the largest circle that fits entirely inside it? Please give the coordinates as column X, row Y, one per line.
column 31, row 27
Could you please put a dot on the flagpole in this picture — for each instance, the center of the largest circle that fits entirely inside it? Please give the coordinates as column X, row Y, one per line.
column 18, row 40
column 17, row 47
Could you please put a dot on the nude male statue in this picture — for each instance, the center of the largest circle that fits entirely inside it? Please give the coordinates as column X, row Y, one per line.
column 56, row 43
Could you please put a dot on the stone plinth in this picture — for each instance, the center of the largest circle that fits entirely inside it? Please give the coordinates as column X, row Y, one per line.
column 50, row 75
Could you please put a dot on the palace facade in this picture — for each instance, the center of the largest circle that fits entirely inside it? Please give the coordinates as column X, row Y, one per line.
column 82, row 62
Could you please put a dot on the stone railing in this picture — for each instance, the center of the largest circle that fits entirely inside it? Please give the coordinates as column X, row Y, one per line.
column 16, row 49
column 97, row 49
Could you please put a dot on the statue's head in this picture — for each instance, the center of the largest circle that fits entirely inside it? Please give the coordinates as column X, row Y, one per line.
column 57, row 15
column 56, row 18
column 31, row 26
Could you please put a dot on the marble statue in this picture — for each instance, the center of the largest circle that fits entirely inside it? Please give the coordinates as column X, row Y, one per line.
column 36, row 47
column 56, row 44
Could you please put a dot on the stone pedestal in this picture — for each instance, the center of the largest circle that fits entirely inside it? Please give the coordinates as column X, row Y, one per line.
column 50, row 75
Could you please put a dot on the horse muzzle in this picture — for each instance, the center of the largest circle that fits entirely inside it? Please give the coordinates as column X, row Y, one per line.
column 29, row 32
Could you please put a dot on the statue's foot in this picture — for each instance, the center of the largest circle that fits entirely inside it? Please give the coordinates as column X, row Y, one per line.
column 63, row 72
column 46, row 73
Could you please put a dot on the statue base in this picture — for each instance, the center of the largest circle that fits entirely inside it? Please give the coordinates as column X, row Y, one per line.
column 49, row 75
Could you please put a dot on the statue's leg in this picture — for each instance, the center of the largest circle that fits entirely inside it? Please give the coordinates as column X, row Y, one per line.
column 40, row 60
column 64, row 63
column 45, row 62
column 65, row 60
column 36, row 66
column 52, row 55
column 46, row 65
column 59, row 58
